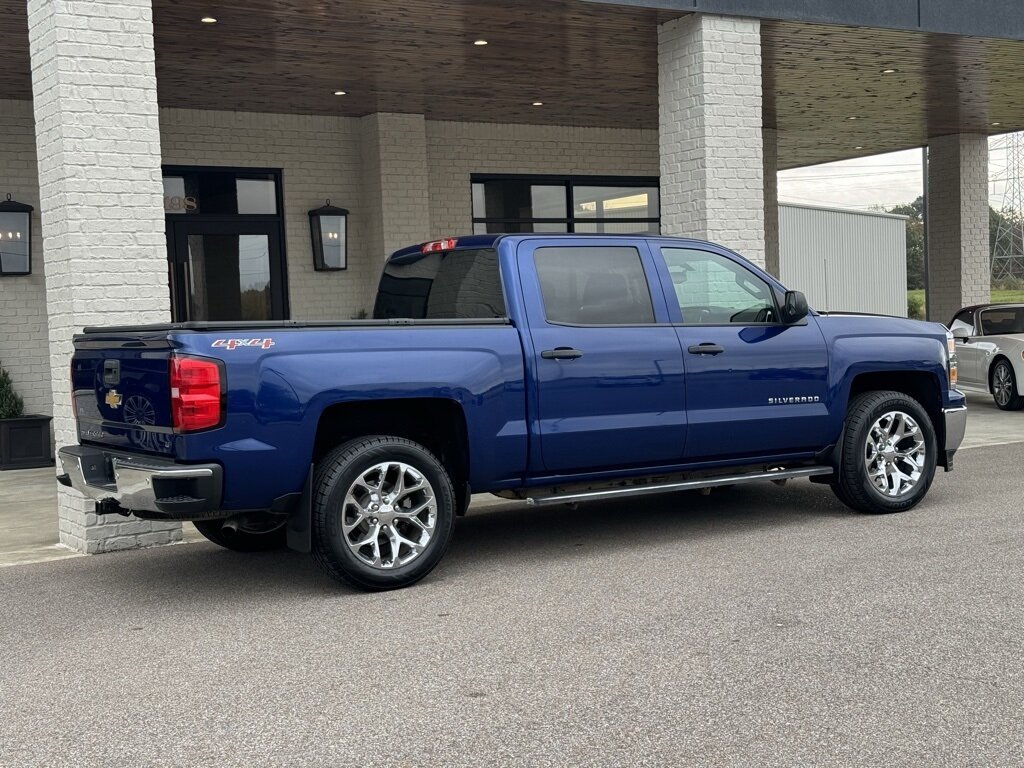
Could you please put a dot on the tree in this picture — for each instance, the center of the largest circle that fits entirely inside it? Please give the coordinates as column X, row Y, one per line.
column 915, row 237
column 915, row 240
column 11, row 405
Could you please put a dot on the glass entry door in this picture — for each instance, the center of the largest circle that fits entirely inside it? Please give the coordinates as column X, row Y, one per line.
column 226, row 270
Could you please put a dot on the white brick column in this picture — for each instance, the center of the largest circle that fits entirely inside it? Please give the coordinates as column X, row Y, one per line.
column 770, row 143
column 709, row 100
column 959, row 269
column 98, row 149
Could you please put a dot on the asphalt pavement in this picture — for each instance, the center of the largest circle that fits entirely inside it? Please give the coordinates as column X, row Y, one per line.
column 756, row 626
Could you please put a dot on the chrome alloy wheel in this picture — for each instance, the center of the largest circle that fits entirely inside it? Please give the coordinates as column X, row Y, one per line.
column 1002, row 384
column 895, row 454
column 389, row 515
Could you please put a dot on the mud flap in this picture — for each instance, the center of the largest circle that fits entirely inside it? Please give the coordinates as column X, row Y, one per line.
column 300, row 519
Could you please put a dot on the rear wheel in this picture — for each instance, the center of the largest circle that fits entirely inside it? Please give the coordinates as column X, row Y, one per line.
column 888, row 454
column 244, row 536
column 1004, row 387
column 383, row 512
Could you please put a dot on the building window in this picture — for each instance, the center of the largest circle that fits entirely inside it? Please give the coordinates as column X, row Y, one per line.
column 620, row 205
column 225, row 244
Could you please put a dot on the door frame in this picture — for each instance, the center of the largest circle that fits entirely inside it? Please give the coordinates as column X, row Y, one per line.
column 272, row 225
column 178, row 233
column 535, row 317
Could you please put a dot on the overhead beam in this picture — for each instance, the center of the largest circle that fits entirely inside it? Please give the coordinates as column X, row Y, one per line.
column 982, row 18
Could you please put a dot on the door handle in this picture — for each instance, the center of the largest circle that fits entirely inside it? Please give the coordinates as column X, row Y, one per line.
column 561, row 353
column 707, row 348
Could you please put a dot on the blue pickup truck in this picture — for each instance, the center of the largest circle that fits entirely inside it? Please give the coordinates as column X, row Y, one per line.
column 550, row 368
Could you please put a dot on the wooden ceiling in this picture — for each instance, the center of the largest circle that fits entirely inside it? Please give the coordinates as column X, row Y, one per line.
column 590, row 64
column 817, row 77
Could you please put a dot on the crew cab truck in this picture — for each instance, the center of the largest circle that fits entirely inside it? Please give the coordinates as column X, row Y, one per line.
column 551, row 368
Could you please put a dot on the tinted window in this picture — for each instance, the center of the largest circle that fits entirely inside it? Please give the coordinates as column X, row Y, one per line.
column 997, row 322
column 447, row 285
column 220, row 192
column 518, row 199
column 712, row 289
column 565, row 204
column 591, row 202
column 593, row 286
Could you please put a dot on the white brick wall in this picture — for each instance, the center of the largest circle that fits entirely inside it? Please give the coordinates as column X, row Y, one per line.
column 23, row 299
column 456, row 150
column 959, row 271
column 709, row 93
column 320, row 159
column 98, row 153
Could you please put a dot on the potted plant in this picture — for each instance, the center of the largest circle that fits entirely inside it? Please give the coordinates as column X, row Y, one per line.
column 24, row 440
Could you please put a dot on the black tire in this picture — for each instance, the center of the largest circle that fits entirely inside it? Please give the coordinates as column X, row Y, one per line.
column 853, row 485
column 244, row 538
column 1013, row 401
column 336, row 473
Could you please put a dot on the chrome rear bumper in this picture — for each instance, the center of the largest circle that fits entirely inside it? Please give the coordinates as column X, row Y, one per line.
column 144, row 485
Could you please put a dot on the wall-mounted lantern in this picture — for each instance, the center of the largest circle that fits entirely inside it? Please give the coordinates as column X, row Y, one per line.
column 328, row 229
column 15, row 238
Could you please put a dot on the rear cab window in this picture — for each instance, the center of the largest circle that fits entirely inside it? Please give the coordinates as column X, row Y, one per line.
column 461, row 284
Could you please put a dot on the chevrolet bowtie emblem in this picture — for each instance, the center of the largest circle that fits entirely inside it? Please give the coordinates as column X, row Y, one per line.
column 113, row 399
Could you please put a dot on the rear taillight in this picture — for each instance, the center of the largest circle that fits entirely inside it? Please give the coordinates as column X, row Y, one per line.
column 197, row 389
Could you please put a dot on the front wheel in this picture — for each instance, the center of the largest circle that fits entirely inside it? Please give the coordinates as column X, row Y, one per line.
column 383, row 512
column 888, row 454
column 1004, row 387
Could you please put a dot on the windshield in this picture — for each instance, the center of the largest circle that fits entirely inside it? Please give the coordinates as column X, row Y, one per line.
column 446, row 285
column 1003, row 320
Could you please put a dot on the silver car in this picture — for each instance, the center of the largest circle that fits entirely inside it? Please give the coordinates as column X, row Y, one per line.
column 990, row 349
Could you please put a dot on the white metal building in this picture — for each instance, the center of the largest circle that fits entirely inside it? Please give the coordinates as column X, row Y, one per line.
column 844, row 260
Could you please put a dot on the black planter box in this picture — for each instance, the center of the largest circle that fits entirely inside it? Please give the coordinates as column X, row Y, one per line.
column 25, row 442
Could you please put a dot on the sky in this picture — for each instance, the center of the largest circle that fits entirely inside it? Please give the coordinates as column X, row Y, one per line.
column 879, row 180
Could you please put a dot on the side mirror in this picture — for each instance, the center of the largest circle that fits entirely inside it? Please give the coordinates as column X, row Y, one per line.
column 960, row 333
column 794, row 309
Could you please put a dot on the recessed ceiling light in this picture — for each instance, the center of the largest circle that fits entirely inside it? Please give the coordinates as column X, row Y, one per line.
column 858, row 147
column 853, row 117
column 997, row 123
column 538, row 103
column 208, row 20
column 340, row 93
column 888, row 71
column 479, row 42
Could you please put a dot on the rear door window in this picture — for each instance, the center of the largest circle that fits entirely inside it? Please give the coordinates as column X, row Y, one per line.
column 445, row 285
column 601, row 285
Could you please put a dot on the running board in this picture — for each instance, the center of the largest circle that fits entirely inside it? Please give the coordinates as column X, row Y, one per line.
column 686, row 485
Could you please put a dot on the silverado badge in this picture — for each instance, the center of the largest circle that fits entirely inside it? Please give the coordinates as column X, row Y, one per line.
column 113, row 399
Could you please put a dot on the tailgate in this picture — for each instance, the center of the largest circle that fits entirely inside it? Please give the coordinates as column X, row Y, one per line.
column 120, row 388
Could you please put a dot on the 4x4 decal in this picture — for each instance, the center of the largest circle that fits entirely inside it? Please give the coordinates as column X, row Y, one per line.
column 232, row 344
